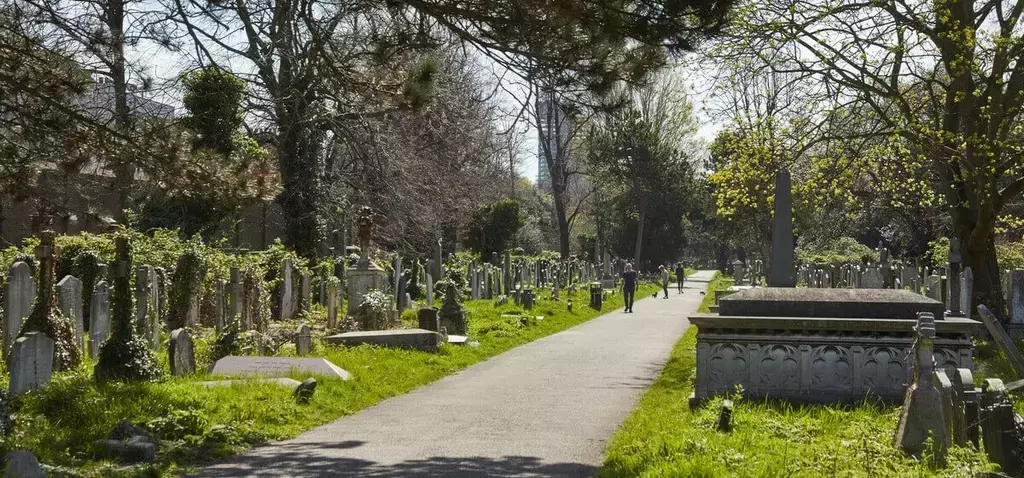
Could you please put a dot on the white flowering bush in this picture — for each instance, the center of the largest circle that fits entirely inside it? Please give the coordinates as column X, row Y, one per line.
column 375, row 312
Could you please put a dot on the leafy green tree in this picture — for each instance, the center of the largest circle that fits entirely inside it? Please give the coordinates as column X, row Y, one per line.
column 307, row 63
column 213, row 98
column 946, row 79
column 493, row 227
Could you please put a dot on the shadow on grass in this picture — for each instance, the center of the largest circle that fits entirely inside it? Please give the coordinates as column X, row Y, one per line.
column 315, row 459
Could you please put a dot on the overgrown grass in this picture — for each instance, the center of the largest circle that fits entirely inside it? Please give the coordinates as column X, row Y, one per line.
column 663, row 437
column 59, row 422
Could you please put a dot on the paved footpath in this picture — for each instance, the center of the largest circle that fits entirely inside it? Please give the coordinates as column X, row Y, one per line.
column 546, row 408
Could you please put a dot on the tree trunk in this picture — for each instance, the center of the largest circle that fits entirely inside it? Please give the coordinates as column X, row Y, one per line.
column 639, row 239
column 124, row 170
column 561, row 218
column 988, row 287
column 304, row 196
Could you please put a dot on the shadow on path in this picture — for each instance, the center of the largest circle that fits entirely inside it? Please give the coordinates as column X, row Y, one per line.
column 309, row 459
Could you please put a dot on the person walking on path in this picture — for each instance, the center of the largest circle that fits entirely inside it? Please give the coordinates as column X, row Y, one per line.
column 629, row 286
column 680, row 277
column 664, row 279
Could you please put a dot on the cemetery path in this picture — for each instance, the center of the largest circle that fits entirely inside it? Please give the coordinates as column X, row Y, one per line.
column 546, row 408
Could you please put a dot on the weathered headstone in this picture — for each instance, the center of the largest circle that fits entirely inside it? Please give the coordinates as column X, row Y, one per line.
column 333, row 292
column 69, row 301
column 782, row 265
column 966, row 399
column 22, row 464
column 30, row 362
column 966, row 289
column 287, row 299
column 872, row 279
column 277, row 367
column 923, row 415
column 181, row 353
column 220, row 310
column 143, row 311
column 303, row 340
column 430, row 290
column 99, row 317
column 304, row 291
column 933, row 287
column 427, row 319
column 234, row 297
column 953, row 280
column 21, row 293
column 999, row 428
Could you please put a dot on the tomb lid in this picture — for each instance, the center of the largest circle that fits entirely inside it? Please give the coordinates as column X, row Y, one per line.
column 830, row 303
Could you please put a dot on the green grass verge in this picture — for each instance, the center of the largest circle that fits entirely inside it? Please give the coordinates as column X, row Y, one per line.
column 197, row 424
column 663, row 437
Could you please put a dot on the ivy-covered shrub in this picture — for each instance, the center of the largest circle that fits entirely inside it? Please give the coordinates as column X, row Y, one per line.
column 375, row 313
column 46, row 318
column 124, row 356
column 186, row 281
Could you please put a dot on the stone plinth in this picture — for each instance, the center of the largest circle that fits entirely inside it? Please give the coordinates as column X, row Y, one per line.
column 817, row 360
column 362, row 280
column 276, row 367
column 829, row 303
column 415, row 339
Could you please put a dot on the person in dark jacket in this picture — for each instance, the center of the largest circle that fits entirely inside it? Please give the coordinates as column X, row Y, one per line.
column 629, row 286
column 680, row 277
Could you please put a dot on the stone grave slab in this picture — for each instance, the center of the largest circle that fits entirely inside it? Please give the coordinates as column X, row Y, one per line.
column 416, row 339
column 282, row 381
column 829, row 303
column 277, row 366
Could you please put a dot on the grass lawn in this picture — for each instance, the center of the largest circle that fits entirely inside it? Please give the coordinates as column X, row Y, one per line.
column 197, row 424
column 663, row 437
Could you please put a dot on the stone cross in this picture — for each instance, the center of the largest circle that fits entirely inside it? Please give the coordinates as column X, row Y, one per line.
column 99, row 317
column 21, row 293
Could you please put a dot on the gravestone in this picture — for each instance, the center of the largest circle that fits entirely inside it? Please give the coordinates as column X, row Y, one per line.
column 69, row 301
column 234, row 298
column 99, row 317
column 782, row 263
column 287, row 299
column 966, row 289
column 304, row 291
column 872, row 279
column 737, row 272
column 966, row 399
column 181, row 353
column 430, row 290
column 21, row 293
column 414, row 339
column 923, row 414
column 427, row 319
column 1016, row 304
column 954, row 278
column 220, row 309
column 30, row 362
column 332, row 303
column 933, row 287
column 277, row 367
column 143, row 311
column 303, row 340
column 22, row 464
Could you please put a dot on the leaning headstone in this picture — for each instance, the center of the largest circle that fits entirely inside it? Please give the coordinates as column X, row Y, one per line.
column 1003, row 340
column 99, row 317
column 69, row 301
column 181, row 353
column 22, row 464
column 31, row 362
column 782, row 265
column 922, row 417
column 21, row 293
column 303, row 340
